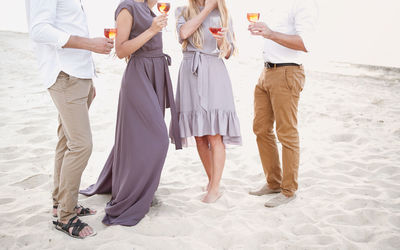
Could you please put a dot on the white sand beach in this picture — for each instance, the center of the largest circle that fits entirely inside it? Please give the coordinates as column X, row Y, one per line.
column 349, row 193
column 349, row 179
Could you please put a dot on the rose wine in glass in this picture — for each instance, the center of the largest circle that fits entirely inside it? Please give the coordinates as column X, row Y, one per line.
column 110, row 33
column 215, row 28
column 253, row 17
column 164, row 7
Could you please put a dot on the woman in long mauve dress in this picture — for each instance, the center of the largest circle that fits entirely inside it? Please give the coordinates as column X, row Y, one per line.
column 132, row 171
column 204, row 95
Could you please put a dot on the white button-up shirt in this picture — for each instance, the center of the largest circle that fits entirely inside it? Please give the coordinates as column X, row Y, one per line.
column 291, row 17
column 51, row 23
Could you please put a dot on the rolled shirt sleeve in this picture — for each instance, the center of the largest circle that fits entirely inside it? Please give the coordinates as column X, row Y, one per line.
column 41, row 23
column 305, row 18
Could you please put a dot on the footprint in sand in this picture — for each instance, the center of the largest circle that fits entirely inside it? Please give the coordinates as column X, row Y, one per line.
column 343, row 137
column 42, row 138
column 5, row 201
column 26, row 240
column 363, row 192
column 306, row 229
column 356, row 234
column 353, row 204
column 32, row 181
column 7, row 241
column 392, row 242
column 35, row 220
column 29, row 130
column 7, row 150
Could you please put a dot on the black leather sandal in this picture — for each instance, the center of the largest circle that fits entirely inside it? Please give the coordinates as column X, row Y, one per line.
column 84, row 211
column 77, row 227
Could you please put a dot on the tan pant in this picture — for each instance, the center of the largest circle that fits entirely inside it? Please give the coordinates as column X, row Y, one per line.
column 276, row 99
column 72, row 97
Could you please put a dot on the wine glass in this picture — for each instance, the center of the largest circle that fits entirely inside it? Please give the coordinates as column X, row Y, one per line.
column 164, row 7
column 110, row 33
column 215, row 28
column 253, row 17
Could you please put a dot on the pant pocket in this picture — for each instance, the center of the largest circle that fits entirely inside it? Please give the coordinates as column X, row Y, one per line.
column 77, row 90
column 295, row 80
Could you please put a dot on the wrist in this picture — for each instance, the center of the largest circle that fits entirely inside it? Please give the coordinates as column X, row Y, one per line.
column 88, row 43
column 152, row 31
column 270, row 35
column 208, row 9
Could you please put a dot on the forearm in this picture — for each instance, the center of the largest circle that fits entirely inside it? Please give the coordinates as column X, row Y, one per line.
column 289, row 41
column 129, row 47
column 77, row 42
column 192, row 25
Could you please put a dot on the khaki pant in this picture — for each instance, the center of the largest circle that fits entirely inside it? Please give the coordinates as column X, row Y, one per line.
column 72, row 97
column 276, row 99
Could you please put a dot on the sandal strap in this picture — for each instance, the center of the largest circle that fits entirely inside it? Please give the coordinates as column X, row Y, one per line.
column 76, row 226
column 70, row 223
column 84, row 211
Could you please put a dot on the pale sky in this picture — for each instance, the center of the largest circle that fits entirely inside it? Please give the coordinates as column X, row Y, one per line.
column 359, row 31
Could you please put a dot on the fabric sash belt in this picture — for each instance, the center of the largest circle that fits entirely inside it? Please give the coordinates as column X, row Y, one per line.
column 198, row 58
column 170, row 94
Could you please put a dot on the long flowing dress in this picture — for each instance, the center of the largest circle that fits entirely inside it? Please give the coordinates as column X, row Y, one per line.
column 132, row 172
column 204, row 96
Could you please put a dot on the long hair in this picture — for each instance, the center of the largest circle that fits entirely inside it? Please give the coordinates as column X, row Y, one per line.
column 193, row 10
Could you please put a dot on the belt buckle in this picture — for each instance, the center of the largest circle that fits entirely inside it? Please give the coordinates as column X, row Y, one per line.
column 266, row 65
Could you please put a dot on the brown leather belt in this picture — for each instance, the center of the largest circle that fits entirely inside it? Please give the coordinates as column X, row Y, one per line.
column 269, row 65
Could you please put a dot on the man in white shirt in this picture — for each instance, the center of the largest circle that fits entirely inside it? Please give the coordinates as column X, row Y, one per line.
column 63, row 48
column 288, row 35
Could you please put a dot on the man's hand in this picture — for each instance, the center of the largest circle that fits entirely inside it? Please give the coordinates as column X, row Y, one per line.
column 261, row 29
column 101, row 45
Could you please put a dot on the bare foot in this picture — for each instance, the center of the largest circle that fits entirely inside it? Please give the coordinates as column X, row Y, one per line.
column 211, row 197
column 55, row 212
column 206, row 188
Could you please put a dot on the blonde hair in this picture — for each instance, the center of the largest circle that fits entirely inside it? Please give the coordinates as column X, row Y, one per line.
column 193, row 10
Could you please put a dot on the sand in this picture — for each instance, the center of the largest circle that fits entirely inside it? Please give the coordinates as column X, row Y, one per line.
column 349, row 191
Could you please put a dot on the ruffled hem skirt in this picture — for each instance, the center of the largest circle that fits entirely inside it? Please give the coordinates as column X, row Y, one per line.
column 205, row 102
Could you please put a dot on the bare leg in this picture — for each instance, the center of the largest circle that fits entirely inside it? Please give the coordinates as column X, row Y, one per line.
column 218, row 163
column 205, row 156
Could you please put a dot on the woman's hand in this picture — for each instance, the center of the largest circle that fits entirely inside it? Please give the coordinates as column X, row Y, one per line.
column 159, row 23
column 220, row 36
